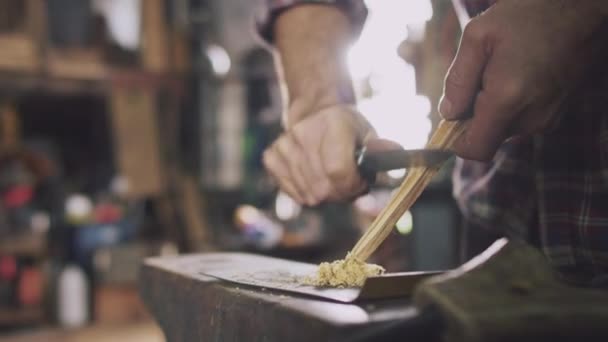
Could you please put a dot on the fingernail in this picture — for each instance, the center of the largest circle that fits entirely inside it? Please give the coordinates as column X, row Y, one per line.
column 445, row 107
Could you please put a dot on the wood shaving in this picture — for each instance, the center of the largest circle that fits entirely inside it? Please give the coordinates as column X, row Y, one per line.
column 348, row 272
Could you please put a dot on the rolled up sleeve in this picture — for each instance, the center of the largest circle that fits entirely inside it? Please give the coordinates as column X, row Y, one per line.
column 354, row 9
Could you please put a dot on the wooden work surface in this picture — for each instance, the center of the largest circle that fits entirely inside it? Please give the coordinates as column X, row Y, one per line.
column 135, row 331
column 190, row 306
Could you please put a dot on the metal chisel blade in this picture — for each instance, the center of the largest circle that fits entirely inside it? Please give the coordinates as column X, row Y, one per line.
column 371, row 162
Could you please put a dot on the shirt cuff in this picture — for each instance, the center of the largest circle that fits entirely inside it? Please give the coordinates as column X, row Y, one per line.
column 354, row 9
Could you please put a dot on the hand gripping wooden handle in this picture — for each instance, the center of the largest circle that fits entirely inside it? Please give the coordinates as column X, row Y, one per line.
column 414, row 183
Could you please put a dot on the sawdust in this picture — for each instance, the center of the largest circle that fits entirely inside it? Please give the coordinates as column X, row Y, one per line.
column 349, row 272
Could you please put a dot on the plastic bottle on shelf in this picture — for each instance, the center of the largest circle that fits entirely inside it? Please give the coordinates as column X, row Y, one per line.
column 72, row 297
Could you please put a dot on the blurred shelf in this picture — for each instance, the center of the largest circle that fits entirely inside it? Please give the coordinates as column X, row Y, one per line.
column 80, row 64
column 27, row 245
column 21, row 316
column 19, row 52
column 18, row 83
column 148, row 331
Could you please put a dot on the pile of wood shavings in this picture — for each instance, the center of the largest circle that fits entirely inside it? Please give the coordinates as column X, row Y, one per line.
column 349, row 272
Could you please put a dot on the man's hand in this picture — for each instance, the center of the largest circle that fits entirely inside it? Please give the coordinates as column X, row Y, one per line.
column 313, row 161
column 516, row 66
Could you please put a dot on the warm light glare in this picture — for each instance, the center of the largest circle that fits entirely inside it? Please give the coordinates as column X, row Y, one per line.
column 396, row 174
column 394, row 108
column 403, row 119
column 405, row 225
column 122, row 19
column 366, row 203
column 79, row 206
column 402, row 11
column 247, row 214
column 219, row 59
column 286, row 208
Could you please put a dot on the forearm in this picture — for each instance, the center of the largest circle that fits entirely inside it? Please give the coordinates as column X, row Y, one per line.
column 311, row 42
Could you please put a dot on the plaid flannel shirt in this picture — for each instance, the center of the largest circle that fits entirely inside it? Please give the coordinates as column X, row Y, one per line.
column 551, row 189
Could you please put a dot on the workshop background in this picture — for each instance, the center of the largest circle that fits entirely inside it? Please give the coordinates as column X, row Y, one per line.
column 135, row 128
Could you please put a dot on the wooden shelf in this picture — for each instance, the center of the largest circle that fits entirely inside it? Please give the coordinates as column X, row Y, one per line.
column 29, row 61
column 79, row 64
column 145, row 330
column 19, row 52
column 21, row 316
column 27, row 245
column 17, row 83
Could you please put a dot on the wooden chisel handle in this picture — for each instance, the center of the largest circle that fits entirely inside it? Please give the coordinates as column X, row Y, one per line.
column 414, row 183
column 446, row 134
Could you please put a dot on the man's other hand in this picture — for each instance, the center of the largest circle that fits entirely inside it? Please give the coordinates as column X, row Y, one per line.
column 517, row 64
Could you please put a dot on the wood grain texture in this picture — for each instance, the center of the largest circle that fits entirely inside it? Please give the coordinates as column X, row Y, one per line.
column 414, row 183
column 134, row 114
column 155, row 48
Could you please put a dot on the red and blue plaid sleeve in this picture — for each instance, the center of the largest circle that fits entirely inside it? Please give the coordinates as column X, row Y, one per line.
column 355, row 9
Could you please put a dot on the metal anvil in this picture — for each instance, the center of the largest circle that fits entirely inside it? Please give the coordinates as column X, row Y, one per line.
column 508, row 293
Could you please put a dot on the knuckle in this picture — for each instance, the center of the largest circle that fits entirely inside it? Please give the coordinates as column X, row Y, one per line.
column 268, row 158
column 283, row 146
column 455, row 79
column 511, row 93
column 337, row 171
column 300, row 132
column 474, row 32
column 293, row 154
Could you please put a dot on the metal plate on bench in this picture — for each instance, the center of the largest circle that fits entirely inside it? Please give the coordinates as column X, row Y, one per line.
column 284, row 275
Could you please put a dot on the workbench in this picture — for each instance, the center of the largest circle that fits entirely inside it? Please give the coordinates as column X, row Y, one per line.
column 190, row 306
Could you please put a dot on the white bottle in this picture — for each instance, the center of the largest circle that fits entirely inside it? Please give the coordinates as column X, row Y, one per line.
column 72, row 297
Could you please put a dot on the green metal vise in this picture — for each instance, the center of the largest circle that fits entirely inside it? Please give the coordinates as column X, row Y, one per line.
column 511, row 293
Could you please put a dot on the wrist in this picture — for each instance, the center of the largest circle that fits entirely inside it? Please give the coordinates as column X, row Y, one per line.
column 303, row 105
column 345, row 113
